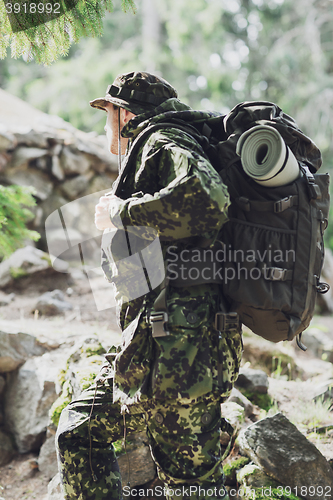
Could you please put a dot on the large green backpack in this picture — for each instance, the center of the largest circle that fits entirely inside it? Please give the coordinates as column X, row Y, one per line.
column 273, row 241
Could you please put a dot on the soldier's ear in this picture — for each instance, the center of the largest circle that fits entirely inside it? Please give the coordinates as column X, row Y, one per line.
column 126, row 115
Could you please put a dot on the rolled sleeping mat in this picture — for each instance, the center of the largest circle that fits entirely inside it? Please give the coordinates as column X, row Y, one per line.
column 266, row 158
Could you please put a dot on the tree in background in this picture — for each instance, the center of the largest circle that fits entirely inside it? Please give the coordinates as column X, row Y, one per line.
column 14, row 216
column 23, row 26
column 215, row 52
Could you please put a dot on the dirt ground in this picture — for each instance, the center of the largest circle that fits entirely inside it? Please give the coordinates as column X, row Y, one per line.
column 21, row 479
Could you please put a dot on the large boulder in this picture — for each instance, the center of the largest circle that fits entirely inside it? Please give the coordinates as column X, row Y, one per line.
column 252, row 380
column 284, row 454
column 7, row 450
column 26, row 261
column 53, row 303
column 16, row 348
column 29, row 395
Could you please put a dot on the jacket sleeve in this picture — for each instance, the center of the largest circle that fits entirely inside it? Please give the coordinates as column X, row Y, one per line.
column 191, row 199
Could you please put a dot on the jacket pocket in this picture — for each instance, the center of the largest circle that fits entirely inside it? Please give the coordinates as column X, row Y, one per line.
column 182, row 366
column 132, row 364
column 226, row 360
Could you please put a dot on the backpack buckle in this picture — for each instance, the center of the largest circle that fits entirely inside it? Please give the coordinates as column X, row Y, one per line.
column 158, row 321
column 282, row 205
column 226, row 321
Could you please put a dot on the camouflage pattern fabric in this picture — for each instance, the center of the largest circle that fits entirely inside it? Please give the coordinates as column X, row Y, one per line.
column 184, row 439
column 174, row 193
column 179, row 195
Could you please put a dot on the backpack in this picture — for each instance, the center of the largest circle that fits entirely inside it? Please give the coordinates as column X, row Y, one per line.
column 273, row 240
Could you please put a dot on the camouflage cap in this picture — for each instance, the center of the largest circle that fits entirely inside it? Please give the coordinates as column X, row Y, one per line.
column 137, row 92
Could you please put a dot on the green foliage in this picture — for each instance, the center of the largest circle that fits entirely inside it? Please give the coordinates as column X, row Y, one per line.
column 313, row 414
column 264, row 401
column 17, row 272
column 14, row 215
column 215, row 52
column 46, row 42
column 231, row 468
column 60, row 403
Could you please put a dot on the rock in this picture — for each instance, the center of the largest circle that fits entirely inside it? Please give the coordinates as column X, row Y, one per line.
column 16, row 348
column 47, row 458
column 7, row 299
column 23, row 155
column 73, row 162
column 231, row 467
column 7, row 140
column 52, row 303
column 25, row 261
column 29, row 395
column 75, row 187
column 7, row 451
column 237, row 397
column 33, row 138
column 83, row 363
column 142, row 467
column 233, row 413
column 42, row 163
column 57, row 240
column 275, row 445
column 4, row 160
column 2, row 384
column 54, row 489
column 40, row 181
column 53, row 202
column 318, row 343
column 252, row 476
column 253, row 380
column 100, row 183
column 325, row 300
column 56, row 169
column 324, row 391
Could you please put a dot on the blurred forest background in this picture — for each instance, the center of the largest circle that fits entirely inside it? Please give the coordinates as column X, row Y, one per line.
column 215, row 52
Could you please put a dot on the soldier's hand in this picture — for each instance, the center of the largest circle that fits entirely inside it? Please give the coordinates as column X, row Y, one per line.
column 102, row 214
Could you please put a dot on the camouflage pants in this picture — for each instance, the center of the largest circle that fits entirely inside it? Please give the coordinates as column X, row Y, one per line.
column 184, row 441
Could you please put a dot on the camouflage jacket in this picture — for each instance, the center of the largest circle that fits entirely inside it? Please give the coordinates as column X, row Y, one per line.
column 173, row 197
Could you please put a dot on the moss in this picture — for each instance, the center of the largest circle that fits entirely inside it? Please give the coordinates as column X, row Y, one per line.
column 93, row 349
column 86, row 371
column 63, row 400
column 264, row 401
column 231, row 468
column 48, row 259
column 62, row 377
column 17, row 272
column 120, row 448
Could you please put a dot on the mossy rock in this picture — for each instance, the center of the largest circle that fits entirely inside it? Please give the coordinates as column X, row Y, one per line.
column 254, row 477
column 18, row 272
column 82, row 367
column 264, row 401
column 59, row 404
column 230, row 469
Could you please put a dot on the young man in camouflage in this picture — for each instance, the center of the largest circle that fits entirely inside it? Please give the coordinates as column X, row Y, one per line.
column 174, row 368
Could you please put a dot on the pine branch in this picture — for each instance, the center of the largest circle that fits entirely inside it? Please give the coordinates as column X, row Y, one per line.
column 14, row 215
column 46, row 42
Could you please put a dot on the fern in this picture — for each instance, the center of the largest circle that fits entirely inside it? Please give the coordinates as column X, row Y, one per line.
column 46, row 42
column 14, row 215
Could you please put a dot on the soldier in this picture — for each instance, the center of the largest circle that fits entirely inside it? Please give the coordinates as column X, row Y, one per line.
column 174, row 367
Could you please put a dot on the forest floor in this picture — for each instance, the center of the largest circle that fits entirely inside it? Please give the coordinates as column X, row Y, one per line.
column 21, row 479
